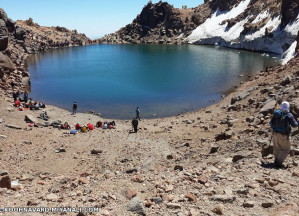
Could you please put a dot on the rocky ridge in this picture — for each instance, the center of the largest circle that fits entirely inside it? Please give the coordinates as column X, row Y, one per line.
column 21, row 38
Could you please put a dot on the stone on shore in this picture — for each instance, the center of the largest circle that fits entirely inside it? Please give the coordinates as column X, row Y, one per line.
column 5, row 182
column 136, row 205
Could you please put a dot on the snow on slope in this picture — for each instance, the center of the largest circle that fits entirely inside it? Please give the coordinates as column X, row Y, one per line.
column 212, row 27
column 215, row 31
column 290, row 53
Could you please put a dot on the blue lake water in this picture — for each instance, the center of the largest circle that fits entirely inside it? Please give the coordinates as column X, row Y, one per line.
column 162, row 80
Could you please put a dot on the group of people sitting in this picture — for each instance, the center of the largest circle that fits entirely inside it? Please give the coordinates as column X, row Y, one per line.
column 24, row 103
column 90, row 127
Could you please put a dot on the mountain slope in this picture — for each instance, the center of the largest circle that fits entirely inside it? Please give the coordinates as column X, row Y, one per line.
column 253, row 25
column 256, row 25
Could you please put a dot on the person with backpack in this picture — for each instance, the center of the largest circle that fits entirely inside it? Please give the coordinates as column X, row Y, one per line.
column 75, row 108
column 281, row 123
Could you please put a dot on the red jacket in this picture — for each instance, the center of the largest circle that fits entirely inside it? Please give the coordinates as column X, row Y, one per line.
column 90, row 126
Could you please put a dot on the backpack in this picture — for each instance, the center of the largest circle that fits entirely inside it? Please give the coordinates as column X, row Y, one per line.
column 280, row 122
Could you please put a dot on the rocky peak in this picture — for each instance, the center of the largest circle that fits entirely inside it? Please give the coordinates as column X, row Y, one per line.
column 161, row 13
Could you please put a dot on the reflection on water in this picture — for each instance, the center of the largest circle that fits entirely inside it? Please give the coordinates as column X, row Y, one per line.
column 162, row 80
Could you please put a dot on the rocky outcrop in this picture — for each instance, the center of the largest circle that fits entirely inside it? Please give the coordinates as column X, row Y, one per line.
column 159, row 23
column 18, row 39
column 289, row 11
column 221, row 5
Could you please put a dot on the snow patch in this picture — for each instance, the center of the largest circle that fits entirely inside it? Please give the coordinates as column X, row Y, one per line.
column 274, row 22
column 261, row 16
column 290, row 53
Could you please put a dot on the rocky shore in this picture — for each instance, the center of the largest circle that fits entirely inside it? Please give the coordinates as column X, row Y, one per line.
column 21, row 38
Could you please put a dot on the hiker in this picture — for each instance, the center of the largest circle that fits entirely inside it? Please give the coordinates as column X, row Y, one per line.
column 105, row 126
column 14, row 95
column 78, row 126
column 43, row 115
column 137, row 113
column 17, row 103
column 12, row 84
column 84, row 129
column 99, row 124
column 75, row 108
column 25, row 97
column 18, row 94
column 90, row 126
column 65, row 126
column 281, row 123
column 135, row 124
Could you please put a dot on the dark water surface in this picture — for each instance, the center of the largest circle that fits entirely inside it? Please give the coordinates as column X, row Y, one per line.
column 162, row 80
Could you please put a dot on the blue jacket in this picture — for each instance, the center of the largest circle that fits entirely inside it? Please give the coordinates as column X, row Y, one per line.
column 290, row 118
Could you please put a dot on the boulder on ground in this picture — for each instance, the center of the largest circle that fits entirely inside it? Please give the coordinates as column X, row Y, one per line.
column 268, row 107
column 5, row 182
column 96, row 151
column 136, row 205
column 30, row 119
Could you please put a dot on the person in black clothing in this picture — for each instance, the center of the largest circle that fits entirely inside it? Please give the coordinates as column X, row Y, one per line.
column 18, row 94
column 75, row 108
column 14, row 96
column 12, row 84
column 25, row 97
column 135, row 124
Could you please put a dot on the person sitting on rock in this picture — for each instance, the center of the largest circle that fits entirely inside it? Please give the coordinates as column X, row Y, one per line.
column 281, row 123
column 99, row 124
column 90, row 126
column 84, row 129
column 65, row 126
column 44, row 115
column 78, row 126
column 17, row 103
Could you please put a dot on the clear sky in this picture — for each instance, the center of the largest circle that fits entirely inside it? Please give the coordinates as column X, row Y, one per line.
column 92, row 17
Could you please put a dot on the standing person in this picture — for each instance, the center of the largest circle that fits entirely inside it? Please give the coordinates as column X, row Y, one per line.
column 12, row 84
column 135, row 124
column 18, row 94
column 75, row 108
column 25, row 96
column 281, row 123
column 137, row 113
column 14, row 96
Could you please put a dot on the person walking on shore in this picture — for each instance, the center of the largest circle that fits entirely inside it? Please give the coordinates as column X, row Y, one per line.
column 281, row 123
column 137, row 113
column 75, row 108
column 135, row 124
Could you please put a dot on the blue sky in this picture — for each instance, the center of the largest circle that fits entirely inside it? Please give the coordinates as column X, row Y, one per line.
column 92, row 17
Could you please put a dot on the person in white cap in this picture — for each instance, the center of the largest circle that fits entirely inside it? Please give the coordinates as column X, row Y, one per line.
column 281, row 123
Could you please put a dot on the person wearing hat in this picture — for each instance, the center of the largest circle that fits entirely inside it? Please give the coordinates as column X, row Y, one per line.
column 281, row 123
column 78, row 126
